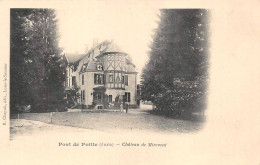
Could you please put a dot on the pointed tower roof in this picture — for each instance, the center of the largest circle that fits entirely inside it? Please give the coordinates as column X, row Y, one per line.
column 113, row 47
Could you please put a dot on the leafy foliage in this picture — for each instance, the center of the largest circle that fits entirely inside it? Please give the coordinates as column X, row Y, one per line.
column 37, row 70
column 175, row 77
column 72, row 96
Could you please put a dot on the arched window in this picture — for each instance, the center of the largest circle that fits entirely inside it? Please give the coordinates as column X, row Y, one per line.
column 118, row 79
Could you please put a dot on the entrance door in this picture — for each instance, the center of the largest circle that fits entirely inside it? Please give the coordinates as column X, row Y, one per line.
column 97, row 97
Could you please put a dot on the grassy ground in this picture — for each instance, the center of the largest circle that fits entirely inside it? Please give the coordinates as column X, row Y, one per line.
column 115, row 121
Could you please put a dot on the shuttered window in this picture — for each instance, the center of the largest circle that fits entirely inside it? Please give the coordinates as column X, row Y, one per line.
column 123, row 79
column 83, row 95
column 126, row 79
column 67, row 82
column 73, row 80
column 83, row 79
column 127, row 97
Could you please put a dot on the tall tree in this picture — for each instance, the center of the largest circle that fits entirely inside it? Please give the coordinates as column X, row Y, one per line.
column 20, row 78
column 178, row 57
column 44, row 73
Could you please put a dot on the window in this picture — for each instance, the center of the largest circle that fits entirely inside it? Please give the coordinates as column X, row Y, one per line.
column 97, row 96
column 110, row 98
column 99, row 67
column 117, row 79
column 123, row 79
column 83, row 79
column 111, row 78
column 98, row 78
column 83, row 95
column 67, row 82
column 126, row 79
column 127, row 97
column 73, row 80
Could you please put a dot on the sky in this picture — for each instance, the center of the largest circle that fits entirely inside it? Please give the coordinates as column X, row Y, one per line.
column 131, row 28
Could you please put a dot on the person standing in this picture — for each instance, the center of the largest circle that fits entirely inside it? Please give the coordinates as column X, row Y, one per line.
column 126, row 107
column 121, row 107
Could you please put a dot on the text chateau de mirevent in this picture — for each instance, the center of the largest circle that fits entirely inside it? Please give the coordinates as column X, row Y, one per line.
column 104, row 75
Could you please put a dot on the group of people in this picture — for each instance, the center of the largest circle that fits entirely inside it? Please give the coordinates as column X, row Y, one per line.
column 126, row 107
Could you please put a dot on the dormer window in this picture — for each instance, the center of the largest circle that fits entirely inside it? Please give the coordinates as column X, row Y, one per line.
column 84, row 68
column 99, row 67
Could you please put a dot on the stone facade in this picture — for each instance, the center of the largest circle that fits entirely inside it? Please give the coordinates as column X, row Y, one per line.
column 103, row 74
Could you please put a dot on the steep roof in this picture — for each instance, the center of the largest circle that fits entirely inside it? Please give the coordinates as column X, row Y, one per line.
column 73, row 57
column 103, row 48
column 113, row 47
column 90, row 66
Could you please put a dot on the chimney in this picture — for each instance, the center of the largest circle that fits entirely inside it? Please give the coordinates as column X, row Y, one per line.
column 95, row 42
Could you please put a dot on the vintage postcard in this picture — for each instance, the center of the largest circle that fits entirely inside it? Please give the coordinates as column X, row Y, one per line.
column 133, row 82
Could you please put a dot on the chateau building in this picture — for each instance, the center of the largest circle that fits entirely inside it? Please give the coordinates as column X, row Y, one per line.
column 104, row 74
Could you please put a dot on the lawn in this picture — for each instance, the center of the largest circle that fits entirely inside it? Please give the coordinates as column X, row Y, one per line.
column 115, row 121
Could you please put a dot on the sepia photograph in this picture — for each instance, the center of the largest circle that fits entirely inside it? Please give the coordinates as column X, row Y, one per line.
column 156, row 84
